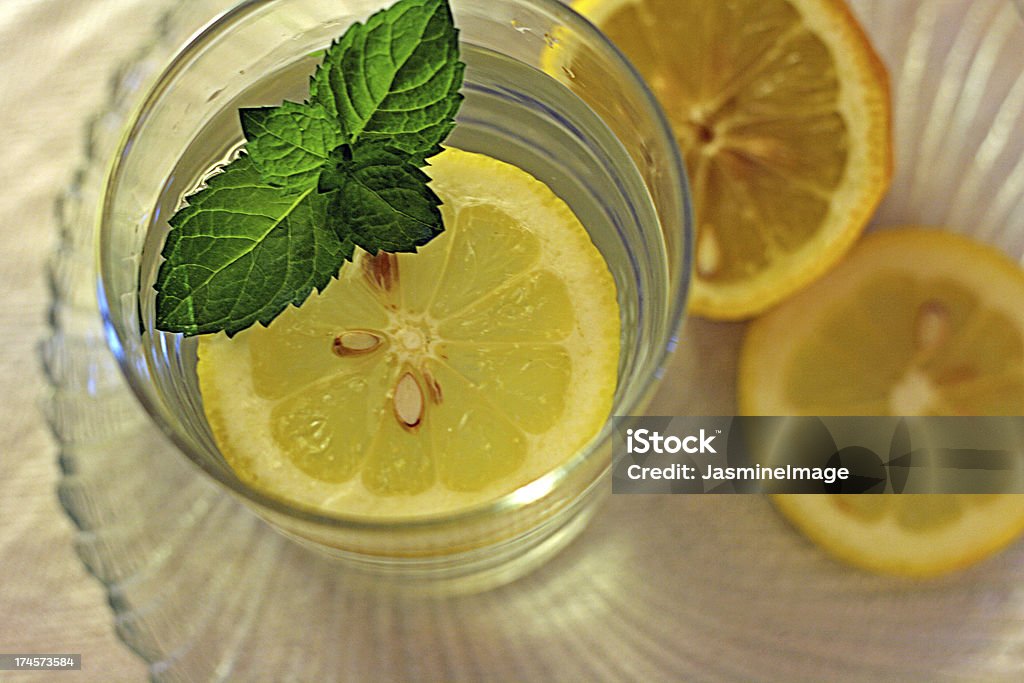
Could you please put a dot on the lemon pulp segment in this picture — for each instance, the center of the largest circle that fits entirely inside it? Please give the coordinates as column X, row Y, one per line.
column 418, row 384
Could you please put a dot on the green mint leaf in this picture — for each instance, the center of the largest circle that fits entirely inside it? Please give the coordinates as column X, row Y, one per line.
column 381, row 200
column 395, row 79
column 242, row 251
column 290, row 143
column 319, row 178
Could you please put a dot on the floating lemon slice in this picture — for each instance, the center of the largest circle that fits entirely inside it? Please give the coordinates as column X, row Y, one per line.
column 425, row 383
column 781, row 109
column 913, row 322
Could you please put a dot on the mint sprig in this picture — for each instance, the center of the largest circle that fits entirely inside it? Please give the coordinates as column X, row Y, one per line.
column 319, row 178
column 380, row 198
column 395, row 80
column 291, row 143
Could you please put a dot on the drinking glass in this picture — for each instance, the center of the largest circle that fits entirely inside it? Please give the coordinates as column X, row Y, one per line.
column 592, row 132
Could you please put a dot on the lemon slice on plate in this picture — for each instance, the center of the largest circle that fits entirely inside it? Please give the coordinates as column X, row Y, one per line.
column 916, row 535
column 424, row 383
column 913, row 322
column 781, row 108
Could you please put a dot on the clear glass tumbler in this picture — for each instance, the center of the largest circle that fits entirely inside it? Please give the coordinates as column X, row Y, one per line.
column 593, row 133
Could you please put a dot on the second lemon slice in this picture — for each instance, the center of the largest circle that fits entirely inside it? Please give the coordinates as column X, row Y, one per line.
column 424, row 383
column 913, row 322
column 781, row 108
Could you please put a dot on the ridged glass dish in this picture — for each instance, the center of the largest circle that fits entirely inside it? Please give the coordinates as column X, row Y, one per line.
column 657, row 588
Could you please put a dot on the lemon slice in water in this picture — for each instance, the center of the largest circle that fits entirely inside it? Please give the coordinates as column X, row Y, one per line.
column 913, row 322
column 424, row 383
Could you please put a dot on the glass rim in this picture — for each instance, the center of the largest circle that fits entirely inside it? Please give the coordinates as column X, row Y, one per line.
column 527, row 494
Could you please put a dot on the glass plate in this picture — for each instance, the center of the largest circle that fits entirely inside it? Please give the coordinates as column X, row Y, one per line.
column 661, row 587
